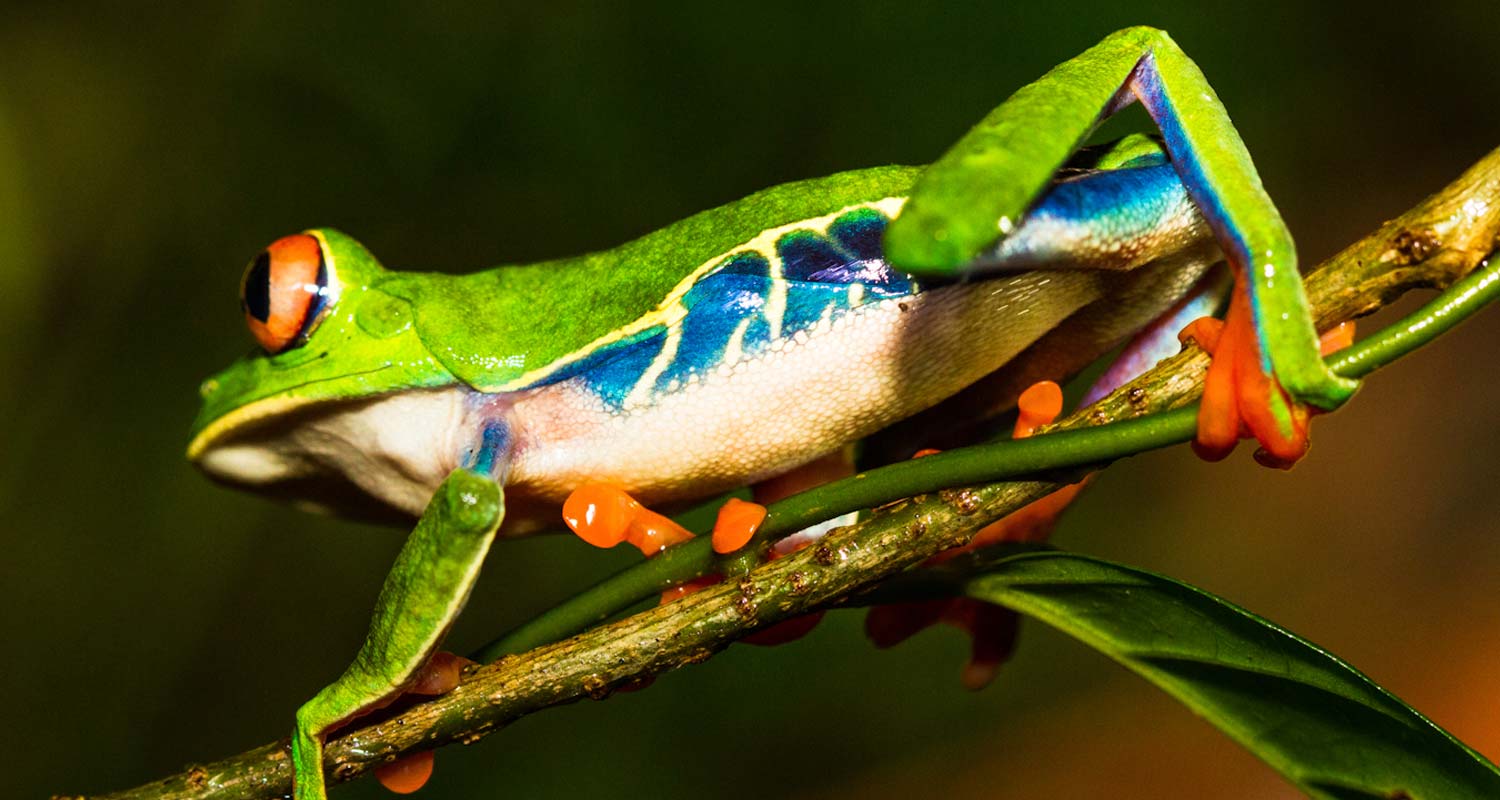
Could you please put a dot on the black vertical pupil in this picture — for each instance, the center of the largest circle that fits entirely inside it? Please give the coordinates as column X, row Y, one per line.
column 258, row 288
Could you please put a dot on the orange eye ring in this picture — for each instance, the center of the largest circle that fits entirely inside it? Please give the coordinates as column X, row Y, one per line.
column 285, row 291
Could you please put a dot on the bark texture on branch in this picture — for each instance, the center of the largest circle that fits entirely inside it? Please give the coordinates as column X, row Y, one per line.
column 1437, row 242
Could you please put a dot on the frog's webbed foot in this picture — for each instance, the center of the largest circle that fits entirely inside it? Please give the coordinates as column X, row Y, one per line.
column 992, row 630
column 1240, row 400
column 437, row 677
column 605, row 515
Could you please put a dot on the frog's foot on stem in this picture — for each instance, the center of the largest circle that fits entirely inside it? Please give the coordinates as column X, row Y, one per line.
column 437, row 677
column 992, row 629
column 605, row 515
column 1242, row 400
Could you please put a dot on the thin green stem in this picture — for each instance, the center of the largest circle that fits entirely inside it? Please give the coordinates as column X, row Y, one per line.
column 1438, row 316
column 966, row 466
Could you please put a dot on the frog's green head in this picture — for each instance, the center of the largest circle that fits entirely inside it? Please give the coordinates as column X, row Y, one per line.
column 331, row 342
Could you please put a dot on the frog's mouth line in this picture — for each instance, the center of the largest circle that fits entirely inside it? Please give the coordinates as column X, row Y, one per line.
column 377, row 457
column 251, row 437
column 256, row 411
column 246, row 417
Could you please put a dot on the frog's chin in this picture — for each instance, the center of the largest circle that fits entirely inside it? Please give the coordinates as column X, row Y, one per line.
column 377, row 459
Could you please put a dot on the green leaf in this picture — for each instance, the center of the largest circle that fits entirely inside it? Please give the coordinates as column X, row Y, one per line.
column 1312, row 717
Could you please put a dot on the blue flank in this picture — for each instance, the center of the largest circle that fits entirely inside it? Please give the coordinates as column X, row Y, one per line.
column 806, row 255
column 612, row 371
column 861, row 233
column 819, row 271
column 716, row 305
column 1079, row 218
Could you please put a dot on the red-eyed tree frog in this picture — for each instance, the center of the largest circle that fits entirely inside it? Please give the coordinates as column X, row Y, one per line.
column 745, row 341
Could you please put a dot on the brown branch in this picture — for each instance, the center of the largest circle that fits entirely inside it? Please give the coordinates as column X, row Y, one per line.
column 1434, row 244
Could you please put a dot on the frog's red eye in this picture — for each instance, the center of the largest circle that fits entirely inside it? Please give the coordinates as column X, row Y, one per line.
column 284, row 292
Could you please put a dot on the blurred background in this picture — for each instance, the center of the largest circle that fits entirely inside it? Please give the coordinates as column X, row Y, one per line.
column 151, row 619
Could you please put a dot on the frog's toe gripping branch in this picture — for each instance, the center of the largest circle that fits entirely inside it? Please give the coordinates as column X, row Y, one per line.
column 1240, row 398
column 1236, row 374
column 439, row 676
column 980, row 190
column 604, row 515
column 423, row 594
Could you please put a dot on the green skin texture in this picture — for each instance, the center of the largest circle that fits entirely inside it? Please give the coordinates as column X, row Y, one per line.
column 393, row 331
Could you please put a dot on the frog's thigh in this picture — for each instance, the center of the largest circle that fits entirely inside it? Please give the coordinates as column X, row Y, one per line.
column 802, row 397
column 1129, row 302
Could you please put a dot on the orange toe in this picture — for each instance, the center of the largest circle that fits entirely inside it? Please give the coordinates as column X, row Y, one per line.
column 406, row 774
column 439, row 675
column 992, row 631
column 1240, row 398
column 652, row 533
column 1205, row 331
column 1336, row 338
column 1219, row 412
column 737, row 523
column 600, row 513
column 890, row 625
column 1037, row 406
column 785, row 631
column 682, row 590
column 604, row 515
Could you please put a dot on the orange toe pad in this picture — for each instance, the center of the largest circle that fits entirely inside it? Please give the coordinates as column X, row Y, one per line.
column 406, row 774
column 737, row 523
column 604, row 515
column 1037, row 406
column 1240, row 398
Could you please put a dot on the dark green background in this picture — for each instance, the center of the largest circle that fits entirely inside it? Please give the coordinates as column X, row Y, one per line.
column 151, row 619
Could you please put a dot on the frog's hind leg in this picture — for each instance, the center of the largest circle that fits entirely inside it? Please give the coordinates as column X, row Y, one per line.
column 1121, row 212
column 982, row 189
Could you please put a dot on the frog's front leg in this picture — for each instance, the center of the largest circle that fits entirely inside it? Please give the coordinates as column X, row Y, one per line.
column 979, row 191
column 423, row 594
